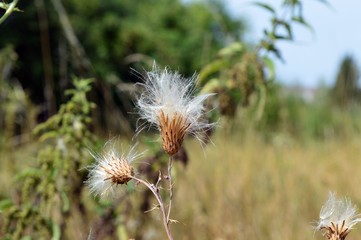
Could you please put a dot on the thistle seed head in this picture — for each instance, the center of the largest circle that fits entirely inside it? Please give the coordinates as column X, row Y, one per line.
column 337, row 217
column 119, row 171
column 168, row 102
column 110, row 170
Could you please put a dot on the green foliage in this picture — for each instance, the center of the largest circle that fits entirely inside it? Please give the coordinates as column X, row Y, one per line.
column 242, row 74
column 167, row 31
column 116, row 36
column 288, row 113
column 52, row 188
column 6, row 6
column 235, row 76
column 282, row 24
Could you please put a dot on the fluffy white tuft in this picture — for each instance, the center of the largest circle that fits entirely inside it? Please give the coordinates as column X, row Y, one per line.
column 171, row 93
column 99, row 179
column 338, row 212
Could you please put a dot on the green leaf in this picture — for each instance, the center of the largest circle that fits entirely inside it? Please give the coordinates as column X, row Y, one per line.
column 281, row 37
column 270, row 66
column 29, row 172
column 289, row 30
column 301, row 21
column 210, row 69
column 55, row 232
column 261, row 101
column 265, row 6
column 270, row 47
column 48, row 135
column 232, row 49
column 65, row 201
column 211, row 86
column 287, row 27
column 5, row 204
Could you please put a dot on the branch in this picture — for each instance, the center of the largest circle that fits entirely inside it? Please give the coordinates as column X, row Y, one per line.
column 81, row 59
column 9, row 10
column 156, row 193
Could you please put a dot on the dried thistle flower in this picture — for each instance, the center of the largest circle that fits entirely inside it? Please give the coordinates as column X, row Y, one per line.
column 169, row 104
column 110, row 170
column 337, row 217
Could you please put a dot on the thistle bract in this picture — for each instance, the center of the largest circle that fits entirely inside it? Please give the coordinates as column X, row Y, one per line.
column 337, row 217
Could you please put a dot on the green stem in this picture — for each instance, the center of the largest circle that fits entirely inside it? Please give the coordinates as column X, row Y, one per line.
column 9, row 10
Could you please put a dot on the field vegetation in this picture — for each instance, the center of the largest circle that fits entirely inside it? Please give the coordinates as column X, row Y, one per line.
column 263, row 172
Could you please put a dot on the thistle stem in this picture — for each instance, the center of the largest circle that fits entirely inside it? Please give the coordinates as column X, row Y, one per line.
column 10, row 8
column 170, row 164
column 156, row 193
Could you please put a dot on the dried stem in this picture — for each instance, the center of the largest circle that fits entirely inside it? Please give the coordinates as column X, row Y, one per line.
column 156, row 193
column 83, row 64
column 47, row 58
column 170, row 163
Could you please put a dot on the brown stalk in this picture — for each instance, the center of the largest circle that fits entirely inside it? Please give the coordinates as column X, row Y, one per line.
column 155, row 190
column 170, row 163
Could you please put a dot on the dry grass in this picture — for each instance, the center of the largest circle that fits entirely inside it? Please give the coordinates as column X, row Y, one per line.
column 244, row 188
column 247, row 189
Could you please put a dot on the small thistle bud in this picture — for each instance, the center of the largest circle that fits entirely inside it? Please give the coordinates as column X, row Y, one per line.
column 111, row 169
column 169, row 104
column 337, row 217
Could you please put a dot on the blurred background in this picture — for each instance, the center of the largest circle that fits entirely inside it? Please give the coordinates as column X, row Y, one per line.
column 286, row 74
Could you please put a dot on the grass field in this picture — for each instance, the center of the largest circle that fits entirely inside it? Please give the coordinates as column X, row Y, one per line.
column 245, row 188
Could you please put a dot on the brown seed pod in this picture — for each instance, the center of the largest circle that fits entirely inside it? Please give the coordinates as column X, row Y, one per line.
column 172, row 131
column 119, row 171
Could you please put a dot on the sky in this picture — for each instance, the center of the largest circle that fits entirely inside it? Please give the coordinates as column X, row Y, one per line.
column 312, row 59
